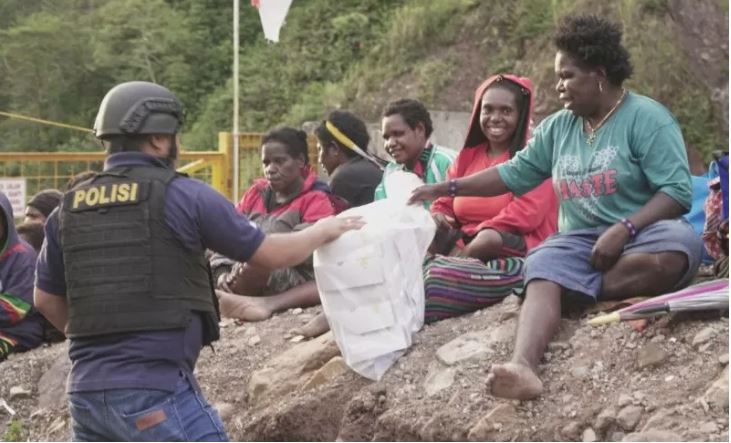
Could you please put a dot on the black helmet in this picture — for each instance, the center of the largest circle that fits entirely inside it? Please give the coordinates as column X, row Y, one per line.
column 138, row 108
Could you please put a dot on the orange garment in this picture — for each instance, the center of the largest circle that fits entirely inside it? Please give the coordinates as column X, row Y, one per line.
column 469, row 210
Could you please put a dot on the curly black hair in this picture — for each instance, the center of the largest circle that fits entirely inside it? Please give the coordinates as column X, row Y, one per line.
column 595, row 41
column 412, row 111
column 350, row 125
column 295, row 140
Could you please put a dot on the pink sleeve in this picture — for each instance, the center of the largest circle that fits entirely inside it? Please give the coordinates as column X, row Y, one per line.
column 523, row 214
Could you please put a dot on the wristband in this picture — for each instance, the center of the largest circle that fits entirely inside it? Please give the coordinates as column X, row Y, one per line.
column 452, row 188
column 630, row 227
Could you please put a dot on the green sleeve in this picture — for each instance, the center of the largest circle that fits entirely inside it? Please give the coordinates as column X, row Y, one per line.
column 380, row 192
column 665, row 163
column 532, row 165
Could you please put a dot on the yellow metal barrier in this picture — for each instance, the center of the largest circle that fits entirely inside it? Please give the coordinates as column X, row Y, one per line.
column 43, row 170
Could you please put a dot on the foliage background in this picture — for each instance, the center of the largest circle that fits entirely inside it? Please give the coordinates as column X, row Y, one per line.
column 58, row 57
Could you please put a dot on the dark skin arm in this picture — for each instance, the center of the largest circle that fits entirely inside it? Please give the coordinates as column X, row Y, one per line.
column 610, row 244
column 486, row 183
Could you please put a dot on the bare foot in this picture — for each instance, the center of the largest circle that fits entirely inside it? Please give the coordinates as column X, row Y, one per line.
column 514, row 380
column 315, row 327
column 242, row 307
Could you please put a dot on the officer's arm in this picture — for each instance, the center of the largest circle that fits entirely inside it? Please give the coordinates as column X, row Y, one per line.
column 52, row 306
column 282, row 250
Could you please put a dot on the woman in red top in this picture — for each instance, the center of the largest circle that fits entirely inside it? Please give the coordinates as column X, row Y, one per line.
column 489, row 235
column 288, row 199
column 493, row 227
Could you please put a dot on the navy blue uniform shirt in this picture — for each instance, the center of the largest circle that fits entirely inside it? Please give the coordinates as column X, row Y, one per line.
column 201, row 218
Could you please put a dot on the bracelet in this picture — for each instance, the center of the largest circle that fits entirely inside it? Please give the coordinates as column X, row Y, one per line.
column 630, row 227
column 452, row 188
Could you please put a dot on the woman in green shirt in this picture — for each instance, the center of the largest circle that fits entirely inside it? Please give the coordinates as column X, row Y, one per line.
column 406, row 128
column 621, row 174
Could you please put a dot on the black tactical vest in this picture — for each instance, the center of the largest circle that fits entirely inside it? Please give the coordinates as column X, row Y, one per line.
column 125, row 269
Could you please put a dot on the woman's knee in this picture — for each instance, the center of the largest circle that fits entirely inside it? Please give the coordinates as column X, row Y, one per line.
column 644, row 274
column 486, row 245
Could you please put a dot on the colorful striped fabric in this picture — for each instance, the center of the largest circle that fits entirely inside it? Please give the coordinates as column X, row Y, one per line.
column 456, row 286
column 12, row 309
column 7, row 345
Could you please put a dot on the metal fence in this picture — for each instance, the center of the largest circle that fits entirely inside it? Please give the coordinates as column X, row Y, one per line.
column 43, row 170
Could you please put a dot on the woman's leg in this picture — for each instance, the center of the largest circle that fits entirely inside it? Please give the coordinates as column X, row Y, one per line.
column 643, row 274
column 248, row 280
column 260, row 308
column 662, row 257
column 490, row 244
column 539, row 320
column 486, row 245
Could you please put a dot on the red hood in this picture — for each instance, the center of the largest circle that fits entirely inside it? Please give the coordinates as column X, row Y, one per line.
column 475, row 136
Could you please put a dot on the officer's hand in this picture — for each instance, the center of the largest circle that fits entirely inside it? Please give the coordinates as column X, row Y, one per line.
column 333, row 227
column 428, row 193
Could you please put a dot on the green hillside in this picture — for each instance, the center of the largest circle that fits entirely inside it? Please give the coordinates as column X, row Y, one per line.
column 59, row 57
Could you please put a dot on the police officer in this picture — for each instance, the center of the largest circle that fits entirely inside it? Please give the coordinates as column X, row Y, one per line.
column 123, row 272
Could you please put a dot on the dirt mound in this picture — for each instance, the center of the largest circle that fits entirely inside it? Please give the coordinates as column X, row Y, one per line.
column 611, row 383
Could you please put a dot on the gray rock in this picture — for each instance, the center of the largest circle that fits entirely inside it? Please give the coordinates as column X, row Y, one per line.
column 556, row 346
column 225, row 410
column 717, row 394
column 289, row 370
column 708, row 427
column 651, row 355
column 617, row 436
column 571, row 431
column 624, row 400
column 52, row 384
column 629, row 416
column 18, row 392
column 439, row 380
column 653, row 435
column 469, row 345
column 588, row 435
column 605, row 419
column 580, row 372
column 488, row 427
column 723, row 358
column 703, row 335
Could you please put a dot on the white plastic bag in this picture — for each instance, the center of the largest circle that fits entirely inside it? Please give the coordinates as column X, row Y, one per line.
column 371, row 282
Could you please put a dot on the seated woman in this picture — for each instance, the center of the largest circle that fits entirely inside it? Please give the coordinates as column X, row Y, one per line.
column 406, row 128
column 342, row 142
column 487, row 228
column 20, row 324
column 620, row 169
column 289, row 199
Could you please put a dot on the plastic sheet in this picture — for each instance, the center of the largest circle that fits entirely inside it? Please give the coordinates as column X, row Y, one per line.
column 371, row 282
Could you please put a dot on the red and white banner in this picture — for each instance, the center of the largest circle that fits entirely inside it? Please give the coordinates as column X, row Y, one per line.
column 272, row 14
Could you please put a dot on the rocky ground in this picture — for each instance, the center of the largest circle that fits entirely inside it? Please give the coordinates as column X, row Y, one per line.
column 666, row 383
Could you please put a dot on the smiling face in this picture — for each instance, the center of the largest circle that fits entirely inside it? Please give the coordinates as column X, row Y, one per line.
column 402, row 142
column 578, row 86
column 499, row 117
column 282, row 171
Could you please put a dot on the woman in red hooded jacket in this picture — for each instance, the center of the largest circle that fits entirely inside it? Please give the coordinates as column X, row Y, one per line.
column 485, row 233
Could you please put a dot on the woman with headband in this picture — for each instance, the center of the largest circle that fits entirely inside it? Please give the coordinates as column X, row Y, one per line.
column 342, row 143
